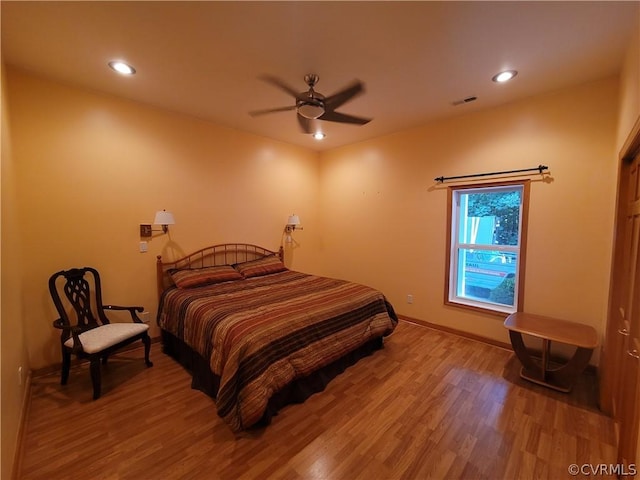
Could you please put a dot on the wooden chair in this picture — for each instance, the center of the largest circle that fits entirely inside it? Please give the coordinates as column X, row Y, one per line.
column 88, row 337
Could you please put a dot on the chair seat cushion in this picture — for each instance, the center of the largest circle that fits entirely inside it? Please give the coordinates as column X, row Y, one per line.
column 104, row 336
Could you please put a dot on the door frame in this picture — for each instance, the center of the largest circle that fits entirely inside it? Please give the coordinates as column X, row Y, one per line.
column 615, row 345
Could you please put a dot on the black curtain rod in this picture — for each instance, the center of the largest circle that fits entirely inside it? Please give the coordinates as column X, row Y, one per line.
column 539, row 169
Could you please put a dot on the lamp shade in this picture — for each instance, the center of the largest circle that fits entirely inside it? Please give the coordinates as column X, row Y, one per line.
column 164, row 218
column 293, row 220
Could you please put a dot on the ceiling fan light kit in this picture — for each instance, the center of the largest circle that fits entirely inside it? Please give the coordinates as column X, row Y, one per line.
column 310, row 110
column 311, row 105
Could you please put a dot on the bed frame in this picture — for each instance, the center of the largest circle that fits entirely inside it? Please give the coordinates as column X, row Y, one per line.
column 223, row 254
column 202, row 377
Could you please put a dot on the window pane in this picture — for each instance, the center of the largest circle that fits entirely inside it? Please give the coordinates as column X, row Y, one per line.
column 489, row 218
column 487, row 276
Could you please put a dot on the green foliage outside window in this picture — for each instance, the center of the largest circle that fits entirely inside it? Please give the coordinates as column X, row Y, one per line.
column 504, row 292
column 505, row 206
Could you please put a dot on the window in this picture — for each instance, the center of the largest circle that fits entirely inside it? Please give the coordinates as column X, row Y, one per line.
column 486, row 247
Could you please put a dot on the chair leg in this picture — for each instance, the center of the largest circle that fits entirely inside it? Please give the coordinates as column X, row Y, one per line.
column 147, row 347
column 94, row 367
column 66, row 365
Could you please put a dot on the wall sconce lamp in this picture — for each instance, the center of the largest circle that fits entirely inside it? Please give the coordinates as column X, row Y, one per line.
column 163, row 218
column 293, row 223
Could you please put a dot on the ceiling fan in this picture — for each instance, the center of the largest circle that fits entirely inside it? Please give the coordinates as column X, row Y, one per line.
column 311, row 105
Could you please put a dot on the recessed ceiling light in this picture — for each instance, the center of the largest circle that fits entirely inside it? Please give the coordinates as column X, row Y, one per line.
column 122, row 68
column 319, row 135
column 504, row 76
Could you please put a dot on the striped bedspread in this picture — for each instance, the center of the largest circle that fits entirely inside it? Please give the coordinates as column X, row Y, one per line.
column 261, row 333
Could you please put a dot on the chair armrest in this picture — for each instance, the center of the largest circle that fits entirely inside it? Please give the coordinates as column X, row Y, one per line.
column 58, row 324
column 132, row 311
column 74, row 329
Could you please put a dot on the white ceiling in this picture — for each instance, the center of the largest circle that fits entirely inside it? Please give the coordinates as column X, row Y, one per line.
column 415, row 58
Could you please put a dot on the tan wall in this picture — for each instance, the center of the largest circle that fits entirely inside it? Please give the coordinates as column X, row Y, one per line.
column 13, row 352
column 92, row 168
column 384, row 218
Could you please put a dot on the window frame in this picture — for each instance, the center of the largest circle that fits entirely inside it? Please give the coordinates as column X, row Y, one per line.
column 450, row 294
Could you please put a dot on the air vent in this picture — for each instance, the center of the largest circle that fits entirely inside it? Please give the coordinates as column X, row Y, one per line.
column 464, row 100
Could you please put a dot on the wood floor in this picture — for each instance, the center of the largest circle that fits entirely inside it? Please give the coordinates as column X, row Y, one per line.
column 429, row 405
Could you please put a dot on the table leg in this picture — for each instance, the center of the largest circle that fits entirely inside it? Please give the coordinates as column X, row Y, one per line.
column 521, row 352
column 546, row 350
column 561, row 378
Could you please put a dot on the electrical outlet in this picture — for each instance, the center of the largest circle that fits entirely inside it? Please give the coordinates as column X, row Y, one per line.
column 409, row 298
column 144, row 247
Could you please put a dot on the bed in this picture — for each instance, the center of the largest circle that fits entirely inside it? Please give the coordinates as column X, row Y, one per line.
column 256, row 335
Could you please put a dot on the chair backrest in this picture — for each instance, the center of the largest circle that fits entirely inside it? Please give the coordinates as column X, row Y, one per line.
column 77, row 290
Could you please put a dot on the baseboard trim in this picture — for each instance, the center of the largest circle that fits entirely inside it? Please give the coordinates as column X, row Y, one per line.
column 24, row 415
column 460, row 333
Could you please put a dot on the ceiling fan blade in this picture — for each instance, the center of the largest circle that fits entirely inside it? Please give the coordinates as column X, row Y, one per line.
column 337, row 99
column 281, row 85
column 255, row 113
column 305, row 124
column 343, row 118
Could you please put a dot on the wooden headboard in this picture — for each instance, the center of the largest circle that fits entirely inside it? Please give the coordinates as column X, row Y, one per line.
column 224, row 254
